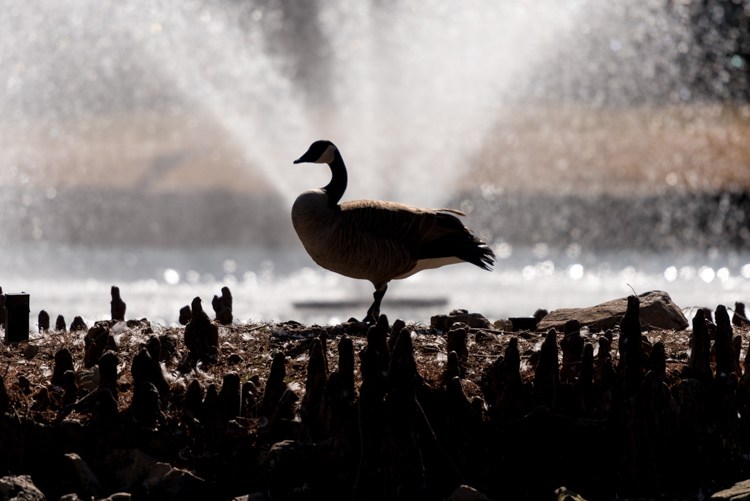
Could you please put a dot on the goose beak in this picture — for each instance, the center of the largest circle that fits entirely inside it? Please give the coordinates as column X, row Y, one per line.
column 307, row 157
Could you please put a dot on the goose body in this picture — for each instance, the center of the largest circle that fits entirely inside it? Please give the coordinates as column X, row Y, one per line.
column 376, row 240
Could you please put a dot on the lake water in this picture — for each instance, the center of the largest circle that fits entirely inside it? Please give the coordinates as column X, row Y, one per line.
column 271, row 285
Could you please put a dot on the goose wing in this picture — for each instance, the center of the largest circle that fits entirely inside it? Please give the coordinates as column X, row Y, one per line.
column 422, row 233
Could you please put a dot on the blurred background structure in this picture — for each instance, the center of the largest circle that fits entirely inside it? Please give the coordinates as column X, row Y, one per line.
column 595, row 144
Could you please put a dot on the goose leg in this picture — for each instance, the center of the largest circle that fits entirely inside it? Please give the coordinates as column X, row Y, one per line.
column 374, row 312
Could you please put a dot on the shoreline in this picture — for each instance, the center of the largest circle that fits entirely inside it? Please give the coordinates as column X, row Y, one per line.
column 279, row 410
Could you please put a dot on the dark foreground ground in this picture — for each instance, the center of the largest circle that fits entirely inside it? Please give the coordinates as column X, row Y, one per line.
column 393, row 411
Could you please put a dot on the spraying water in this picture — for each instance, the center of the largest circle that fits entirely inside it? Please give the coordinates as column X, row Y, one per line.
column 151, row 144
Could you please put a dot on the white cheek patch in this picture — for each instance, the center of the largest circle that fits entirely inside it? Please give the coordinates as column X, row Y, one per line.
column 327, row 156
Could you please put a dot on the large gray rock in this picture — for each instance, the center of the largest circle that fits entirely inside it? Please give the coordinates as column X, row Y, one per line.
column 656, row 311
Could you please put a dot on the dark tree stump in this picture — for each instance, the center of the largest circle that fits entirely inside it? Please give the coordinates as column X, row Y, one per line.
column 117, row 305
column 108, row 372
column 456, row 341
column 222, row 306
column 43, row 322
column 632, row 358
column 699, row 361
column 95, row 344
column 311, row 410
column 63, row 363
column 185, row 315
column 201, row 336
column 275, row 386
column 78, row 324
column 547, row 372
column 739, row 318
column 723, row 343
column 229, row 400
column 572, row 350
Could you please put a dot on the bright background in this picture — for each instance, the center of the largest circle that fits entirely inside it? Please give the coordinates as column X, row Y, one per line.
column 598, row 146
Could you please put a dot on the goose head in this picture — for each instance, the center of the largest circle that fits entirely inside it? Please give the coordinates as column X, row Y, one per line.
column 320, row 152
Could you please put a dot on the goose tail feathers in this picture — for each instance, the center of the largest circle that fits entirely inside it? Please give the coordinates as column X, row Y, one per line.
column 480, row 255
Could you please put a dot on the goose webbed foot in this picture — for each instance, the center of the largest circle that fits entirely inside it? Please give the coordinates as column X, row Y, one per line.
column 373, row 313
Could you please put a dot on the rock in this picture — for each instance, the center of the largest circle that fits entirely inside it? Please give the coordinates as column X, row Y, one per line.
column 503, row 324
column 656, row 310
column 474, row 320
column 164, row 481
column 118, row 496
column 738, row 492
column 523, row 323
column 288, row 465
column 129, row 467
column 88, row 484
column 30, row 351
column 467, row 493
column 70, row 497
column 20, row 487
column 565, row 494
column 234, row 359
column 484, row 337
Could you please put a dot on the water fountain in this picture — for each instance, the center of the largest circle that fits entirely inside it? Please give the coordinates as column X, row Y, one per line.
column 153, row 145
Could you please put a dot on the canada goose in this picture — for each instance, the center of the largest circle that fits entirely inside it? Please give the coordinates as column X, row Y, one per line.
column 376, row 240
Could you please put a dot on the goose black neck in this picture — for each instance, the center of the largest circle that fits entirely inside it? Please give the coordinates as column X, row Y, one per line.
column 335, row 189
